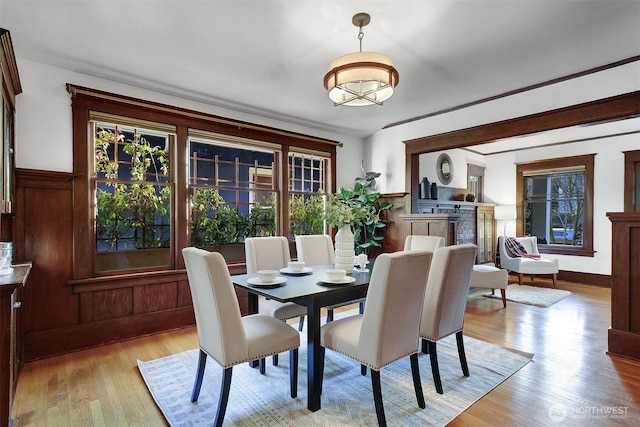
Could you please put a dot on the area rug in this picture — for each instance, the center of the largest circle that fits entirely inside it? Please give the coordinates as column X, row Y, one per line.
column 257, row 400
column 532, row 295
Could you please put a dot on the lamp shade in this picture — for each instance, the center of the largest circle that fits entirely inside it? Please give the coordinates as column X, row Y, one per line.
column 361, row 78
column 505, row 212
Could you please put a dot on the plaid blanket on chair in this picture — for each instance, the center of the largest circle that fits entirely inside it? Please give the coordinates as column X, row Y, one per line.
column 514, row 247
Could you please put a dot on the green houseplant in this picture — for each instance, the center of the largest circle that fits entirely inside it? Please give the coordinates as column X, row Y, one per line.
column 360, row 207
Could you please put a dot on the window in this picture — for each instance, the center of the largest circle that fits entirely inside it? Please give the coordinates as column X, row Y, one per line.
column 308, row 178
column 556, row 201
column 233, row 193
column 152, row 179
column 132, row 194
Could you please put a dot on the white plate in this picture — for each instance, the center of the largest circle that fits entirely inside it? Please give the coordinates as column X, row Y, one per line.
column 347, row 279
column 287, row 270
column 259, row 283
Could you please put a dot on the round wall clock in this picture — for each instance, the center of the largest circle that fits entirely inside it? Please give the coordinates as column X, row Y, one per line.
column 444, row 168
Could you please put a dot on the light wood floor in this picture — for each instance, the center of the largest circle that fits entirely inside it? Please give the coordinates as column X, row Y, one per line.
column 571, row 373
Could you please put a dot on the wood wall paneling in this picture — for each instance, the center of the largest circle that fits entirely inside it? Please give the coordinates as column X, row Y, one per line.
column 624, row 334
column 60, row 315
column 48, row 302
column 152, row 298
column 393, row 232
column 106, row 305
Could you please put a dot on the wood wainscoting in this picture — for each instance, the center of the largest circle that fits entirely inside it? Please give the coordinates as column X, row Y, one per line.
column 60, row 315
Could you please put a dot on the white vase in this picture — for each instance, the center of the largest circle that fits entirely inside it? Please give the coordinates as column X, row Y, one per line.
column 344, row 247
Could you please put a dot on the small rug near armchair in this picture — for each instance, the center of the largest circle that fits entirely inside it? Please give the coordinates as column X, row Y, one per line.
column 532, row 295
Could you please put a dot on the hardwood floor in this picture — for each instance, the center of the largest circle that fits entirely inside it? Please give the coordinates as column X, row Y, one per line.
column 571, row 375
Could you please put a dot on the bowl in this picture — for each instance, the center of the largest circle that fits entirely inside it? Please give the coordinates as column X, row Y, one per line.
column 267, row 276
column 336, row 275
column 296, row 266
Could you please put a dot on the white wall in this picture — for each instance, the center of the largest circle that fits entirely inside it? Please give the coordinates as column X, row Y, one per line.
column 44, row 126
column 385, row 150
column 459, row 158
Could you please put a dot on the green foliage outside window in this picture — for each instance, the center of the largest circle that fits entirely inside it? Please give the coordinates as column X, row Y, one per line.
column 306, row 214
column 216, row 223
column 130, row 214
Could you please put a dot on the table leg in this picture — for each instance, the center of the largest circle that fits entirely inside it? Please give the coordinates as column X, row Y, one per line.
column 314, row 355
column 253, row 309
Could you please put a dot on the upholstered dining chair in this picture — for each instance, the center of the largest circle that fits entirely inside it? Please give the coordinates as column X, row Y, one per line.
column 226, row 336
column 528, row 261
column 272, row 253
column 423, row 243
column 317, row 249
column 386, row 332
column 445, row 301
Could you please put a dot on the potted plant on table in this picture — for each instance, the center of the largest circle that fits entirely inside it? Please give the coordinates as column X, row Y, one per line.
column 357, row 212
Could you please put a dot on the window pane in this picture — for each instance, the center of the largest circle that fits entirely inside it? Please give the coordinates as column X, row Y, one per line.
column 307, row 183
column 233, row 195
column 554, row 207
column 133, row 198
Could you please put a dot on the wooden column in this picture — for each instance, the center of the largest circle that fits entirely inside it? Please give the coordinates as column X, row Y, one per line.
column 624, row 334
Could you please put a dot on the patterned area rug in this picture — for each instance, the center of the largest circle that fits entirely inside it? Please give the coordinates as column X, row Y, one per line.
column 532, row 295
column 257, row 400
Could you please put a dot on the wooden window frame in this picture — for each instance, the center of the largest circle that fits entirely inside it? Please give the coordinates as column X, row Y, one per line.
column 588, row 162
column 85, row 101
column 631, row 161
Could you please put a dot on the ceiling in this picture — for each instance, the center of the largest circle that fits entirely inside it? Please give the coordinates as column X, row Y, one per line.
column 269, row 57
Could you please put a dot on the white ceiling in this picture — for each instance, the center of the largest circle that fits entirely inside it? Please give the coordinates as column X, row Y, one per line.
column 269, row 57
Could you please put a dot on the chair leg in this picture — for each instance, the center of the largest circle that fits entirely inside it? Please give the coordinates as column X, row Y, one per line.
column 425, row 346
column 363, row 370
column 224, row 396
column 361, row 307
column 274, row 358
column 555, row 280
column 461, row 354
column 504, row 297
column 434, row 367
column 417, row 385
column 329, row 315
column 202, row 362
column 521, row 277
column 293, row 372
column 301, row 324
column 377, row 397
column 493, row 291
column 262, row 366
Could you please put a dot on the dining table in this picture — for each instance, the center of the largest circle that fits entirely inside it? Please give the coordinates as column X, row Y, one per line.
column 312, row 289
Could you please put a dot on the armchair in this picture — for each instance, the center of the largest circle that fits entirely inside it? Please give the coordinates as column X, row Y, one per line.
column 527, row 264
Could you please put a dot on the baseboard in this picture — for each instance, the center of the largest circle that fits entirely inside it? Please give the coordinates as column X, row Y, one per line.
column 602, row 280
column 44, row 344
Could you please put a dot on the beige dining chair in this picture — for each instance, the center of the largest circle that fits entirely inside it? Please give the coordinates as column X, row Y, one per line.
column 423, row 243
column 445, row 301
column 226, row 336
column 387, row 330
column 317, row 249
column 272, row 253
